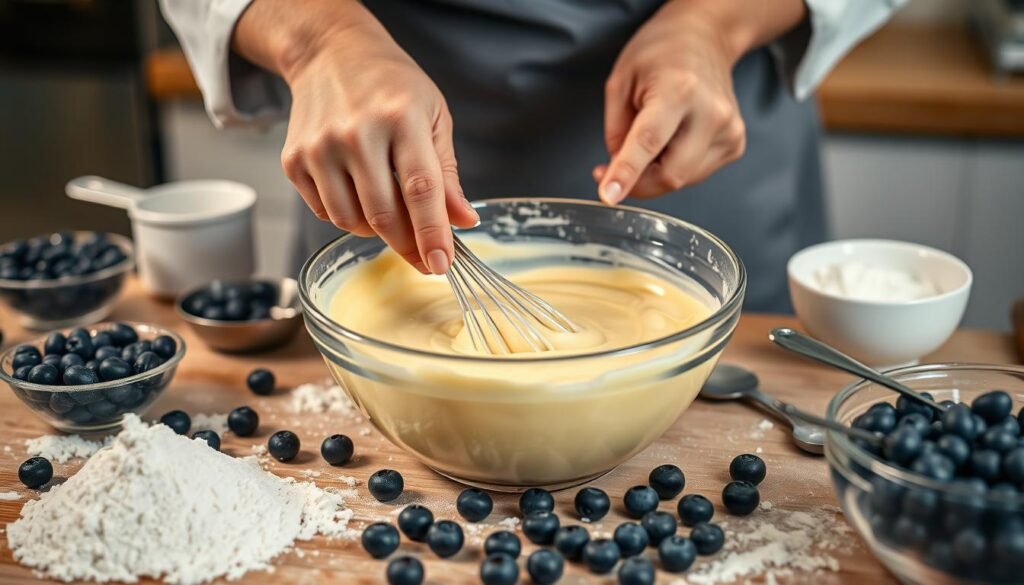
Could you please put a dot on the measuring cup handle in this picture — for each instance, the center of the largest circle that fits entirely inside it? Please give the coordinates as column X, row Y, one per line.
column 103, row 191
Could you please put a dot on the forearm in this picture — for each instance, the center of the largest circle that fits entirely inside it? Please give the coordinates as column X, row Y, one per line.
column 742, row 24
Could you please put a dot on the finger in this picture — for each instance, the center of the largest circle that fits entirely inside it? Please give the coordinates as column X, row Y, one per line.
column 423, row 193
column 619, row 113
column 294, row 166
column 598, row 171
column 337, row 192
column 651, row 131
column 460, row 210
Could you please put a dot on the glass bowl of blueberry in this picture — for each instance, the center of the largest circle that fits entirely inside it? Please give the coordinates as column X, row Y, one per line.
column 65, row 278
column 941, row 498
column 85, row 380
column 243, row 316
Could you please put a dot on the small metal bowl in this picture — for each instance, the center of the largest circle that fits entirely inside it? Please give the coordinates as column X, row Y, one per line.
column 254, row 335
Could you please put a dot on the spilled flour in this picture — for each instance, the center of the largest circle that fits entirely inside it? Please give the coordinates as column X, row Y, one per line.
column 217, row 423
column 63, row 448
column 774, row 543
column 160, row 505
column 322, row 398
column 9, row 496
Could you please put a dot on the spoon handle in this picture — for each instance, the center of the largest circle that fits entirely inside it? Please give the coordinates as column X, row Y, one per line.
column 775, row 405
column 812, row 348
column 790, row 410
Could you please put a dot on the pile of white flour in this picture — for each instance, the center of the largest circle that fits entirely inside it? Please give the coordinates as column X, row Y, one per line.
column 63, row 448
column 156, row 504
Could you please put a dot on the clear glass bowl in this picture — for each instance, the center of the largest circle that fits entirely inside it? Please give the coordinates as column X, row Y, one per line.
column 503, row 431
column 96, row 407
column 912, row 523
column 68, row 302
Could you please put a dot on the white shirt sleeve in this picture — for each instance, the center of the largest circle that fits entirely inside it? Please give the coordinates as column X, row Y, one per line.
column 234, row 90
column 806, row 54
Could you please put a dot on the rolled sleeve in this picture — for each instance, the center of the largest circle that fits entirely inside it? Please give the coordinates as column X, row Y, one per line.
column 235, row 92
column 806, row 54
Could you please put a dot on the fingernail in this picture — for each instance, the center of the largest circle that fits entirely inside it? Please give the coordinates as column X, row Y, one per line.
column 612, row 193
column 469, row 207
column 437, row 260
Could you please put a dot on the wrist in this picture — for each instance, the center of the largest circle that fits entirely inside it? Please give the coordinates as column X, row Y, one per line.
column 742, row 25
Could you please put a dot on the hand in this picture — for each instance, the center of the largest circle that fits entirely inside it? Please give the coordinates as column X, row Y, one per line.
column 363, row 113
column 671, row 117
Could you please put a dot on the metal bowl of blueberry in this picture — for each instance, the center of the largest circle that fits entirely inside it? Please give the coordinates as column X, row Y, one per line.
column 942, row 499
column 243, row 316
column 65, row 278
column 85, row 380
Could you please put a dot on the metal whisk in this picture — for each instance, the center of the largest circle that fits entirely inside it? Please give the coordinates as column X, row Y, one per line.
column 479, row 290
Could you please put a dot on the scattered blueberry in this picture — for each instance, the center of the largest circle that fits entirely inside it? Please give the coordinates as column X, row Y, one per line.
column 243, row 421
column 570, row 540
column 639, row 500
column 415, row 520
column 211, row 437
column 631, row 538
column 592, row 504
column 337, row 449
column 668, row 480
column 444, row 537
column 694, row 509
column 658, row 525
column 708, row 538
column 545, row 567
column 380, row 539
column 677, row 553
column 284, row 446
column 540, row 527
column 740, row 497
column 636, row 571
column 474, row 504
column 35, row 472
column 504, row 542
column 178, row 420
column 536, row 500
column 601, row 555
column 405, row 571
column 261, row 382
column 499, row 569
column 749, row 468
column 385, row 485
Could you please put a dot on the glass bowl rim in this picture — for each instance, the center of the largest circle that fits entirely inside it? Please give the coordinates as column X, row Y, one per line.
column 137, row 325
column 122, row 242
column 878, row 467
column 727, row 308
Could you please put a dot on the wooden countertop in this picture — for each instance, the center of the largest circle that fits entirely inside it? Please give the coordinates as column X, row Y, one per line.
column 903, row 80
column 702, row 442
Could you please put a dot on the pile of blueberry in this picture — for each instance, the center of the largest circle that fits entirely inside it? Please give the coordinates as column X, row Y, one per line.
column 52, row 260
column 220, row 301
column 974, row 526
column 541, row 526
column 80, row 358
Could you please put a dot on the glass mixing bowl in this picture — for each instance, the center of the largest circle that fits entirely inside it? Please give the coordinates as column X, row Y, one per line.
column 924, row 531
column 505, row 423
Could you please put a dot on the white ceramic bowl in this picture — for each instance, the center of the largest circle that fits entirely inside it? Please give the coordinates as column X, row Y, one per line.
column 881, row 333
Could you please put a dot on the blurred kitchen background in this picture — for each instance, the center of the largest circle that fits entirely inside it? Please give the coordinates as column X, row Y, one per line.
column 925, row 126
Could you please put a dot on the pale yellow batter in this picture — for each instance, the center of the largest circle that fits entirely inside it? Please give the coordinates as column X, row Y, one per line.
column 553, row 418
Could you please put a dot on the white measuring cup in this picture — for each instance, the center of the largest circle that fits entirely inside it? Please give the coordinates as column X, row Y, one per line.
column 186, row 233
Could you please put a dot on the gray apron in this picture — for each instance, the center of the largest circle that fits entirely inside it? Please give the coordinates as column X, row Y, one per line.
column 524, row 82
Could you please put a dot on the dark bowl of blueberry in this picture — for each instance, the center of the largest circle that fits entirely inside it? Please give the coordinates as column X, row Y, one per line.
column 85, row 380
column 243, row 316
column 941, row 498
column 65, row 278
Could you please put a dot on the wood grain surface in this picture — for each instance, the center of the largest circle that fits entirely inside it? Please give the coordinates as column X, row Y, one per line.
column 702, row 442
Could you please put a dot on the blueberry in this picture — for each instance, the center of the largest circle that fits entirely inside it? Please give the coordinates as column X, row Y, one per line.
column 1008, row 550
column 1013, row 466
column 958, row 420
column 127, row 394
column 694, row 509
column 474, row 504
column 337, row 449
column 920, row 504
column 53, row 359
column 35, row 472
column 636, row 571
column 211, row 437
column 29, row 359
column 261, row 382
column 284, row 446
column 178, row 420
column 61, row 403
column 444, row 537
column 94, row 366
column 740, row 497
column 677, row 553
column 264, row 291
column 102, row 339
column 631, row 538
column 545, row 567
column 934, row 465
column 639, row 500
column 415, row 520
column 1007, row 425
column 380, row 539
column 880, row 418
column 197, row 303
column 114, row 368
column 707, row 538
column 503, row 542
column 499, row 569
column 917, row 421
column 540, row 527
column 27, row 349
column 986, row 464
column 954, row 447
column 102, row 409
column 79, row 415
column 71, row 359
column 385, row 485
column 80, row 376
column 906, row 405
column 668, row 480
column 165, row 346
column 749, row 468
column 600, row 555
column 43, row 374
column 998, row 440
column 910, row 533
column 109, row 351
column 536, row 500
column 22, row 372
column 79, row 345
column 903, row 445
column 980, row 426
column 570, row 540
column 236, row 310
column 993, row 406
column 146, row 362
column 258, row 310
column 592, row 504
column 969, row 546
column 54, row 343
column 405, row 571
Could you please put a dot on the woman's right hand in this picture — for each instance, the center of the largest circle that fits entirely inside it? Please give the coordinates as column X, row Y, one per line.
column 369, row 145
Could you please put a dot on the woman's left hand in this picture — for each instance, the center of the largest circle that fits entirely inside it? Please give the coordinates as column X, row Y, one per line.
column 671, row 117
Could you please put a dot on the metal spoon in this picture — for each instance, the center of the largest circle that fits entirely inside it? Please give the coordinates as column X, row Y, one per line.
column 799, row 343
column 729, row 382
